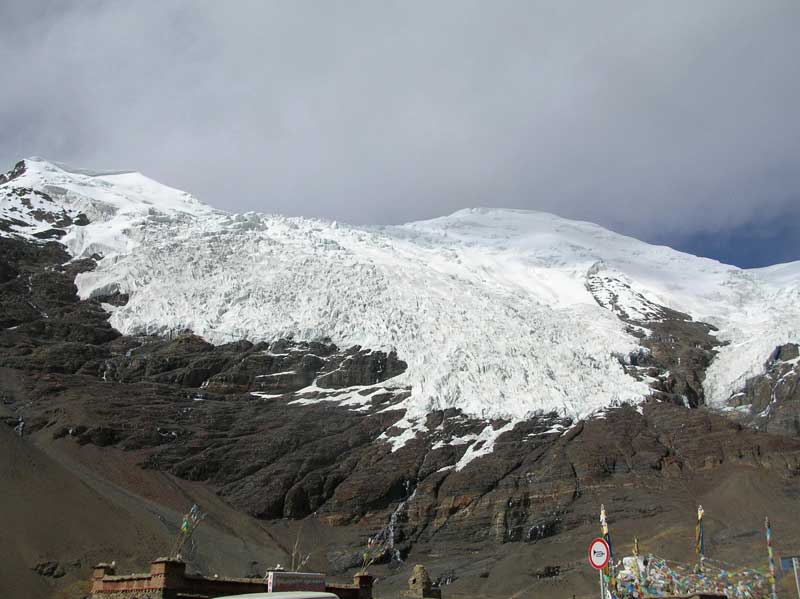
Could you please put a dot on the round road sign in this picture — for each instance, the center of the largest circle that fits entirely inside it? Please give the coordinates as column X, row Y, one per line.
column 599, row 554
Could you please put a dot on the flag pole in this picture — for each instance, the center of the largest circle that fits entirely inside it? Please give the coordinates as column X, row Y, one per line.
column 699, row 536
column 609, row 569
column 771, row 559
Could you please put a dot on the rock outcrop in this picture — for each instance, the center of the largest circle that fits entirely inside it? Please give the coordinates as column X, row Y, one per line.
column 771, row 401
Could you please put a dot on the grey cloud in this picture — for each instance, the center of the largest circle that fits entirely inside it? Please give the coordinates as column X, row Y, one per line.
column 655, row 118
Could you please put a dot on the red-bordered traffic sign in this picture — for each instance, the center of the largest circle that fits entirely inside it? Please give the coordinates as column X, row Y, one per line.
column 599, row 554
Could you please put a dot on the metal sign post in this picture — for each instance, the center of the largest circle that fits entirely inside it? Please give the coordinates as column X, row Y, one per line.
column 796, row 581
column 602, row 585
column 599, row 554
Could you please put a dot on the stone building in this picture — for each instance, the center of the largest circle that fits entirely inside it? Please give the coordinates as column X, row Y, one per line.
column 167, row 579
column 420, row 585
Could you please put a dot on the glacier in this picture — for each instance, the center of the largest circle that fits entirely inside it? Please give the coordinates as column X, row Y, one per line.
column 490, row 308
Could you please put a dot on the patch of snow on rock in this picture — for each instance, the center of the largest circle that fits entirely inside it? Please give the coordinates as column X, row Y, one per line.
column 483, row 445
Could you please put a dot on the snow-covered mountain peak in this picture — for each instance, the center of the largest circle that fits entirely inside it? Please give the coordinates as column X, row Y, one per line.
column 501, row 313
column 125, row 191
column 38, row 194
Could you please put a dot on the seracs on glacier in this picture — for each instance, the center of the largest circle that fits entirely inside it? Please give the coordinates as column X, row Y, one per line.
column 489, row 307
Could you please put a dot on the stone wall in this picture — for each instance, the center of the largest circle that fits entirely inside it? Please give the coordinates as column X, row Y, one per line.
column 167, row 579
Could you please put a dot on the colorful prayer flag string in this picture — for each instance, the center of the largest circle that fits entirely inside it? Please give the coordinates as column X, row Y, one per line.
column 189, row 523
column 636, row 573
column 608, row 571
column 656, row 577
column 660, row 578
column 771, row 558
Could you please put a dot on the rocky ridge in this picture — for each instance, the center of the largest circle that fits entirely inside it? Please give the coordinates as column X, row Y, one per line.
column 771, row 401
column 674, row 350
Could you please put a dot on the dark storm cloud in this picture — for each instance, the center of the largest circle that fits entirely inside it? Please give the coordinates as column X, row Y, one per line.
column 665, row 120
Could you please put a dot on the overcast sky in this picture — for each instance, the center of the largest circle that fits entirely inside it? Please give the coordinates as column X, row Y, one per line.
column 676, row 122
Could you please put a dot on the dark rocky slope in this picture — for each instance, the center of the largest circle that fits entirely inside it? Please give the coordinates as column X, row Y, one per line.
column 771, row 401
column 675, row 349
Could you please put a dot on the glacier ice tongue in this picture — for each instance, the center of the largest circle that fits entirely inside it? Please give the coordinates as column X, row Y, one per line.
column 490, row 308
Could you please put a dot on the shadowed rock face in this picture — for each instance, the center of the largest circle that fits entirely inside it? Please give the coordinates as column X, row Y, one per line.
column 15, row 172
column 675, row 350
column 771, row 401
column 36, row 208
column 279, row 432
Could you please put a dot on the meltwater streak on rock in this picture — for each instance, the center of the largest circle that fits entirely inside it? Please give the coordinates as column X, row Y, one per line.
column 392, row 526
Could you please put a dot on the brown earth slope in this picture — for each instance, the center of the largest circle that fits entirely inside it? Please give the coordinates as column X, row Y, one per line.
column 59, row 516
